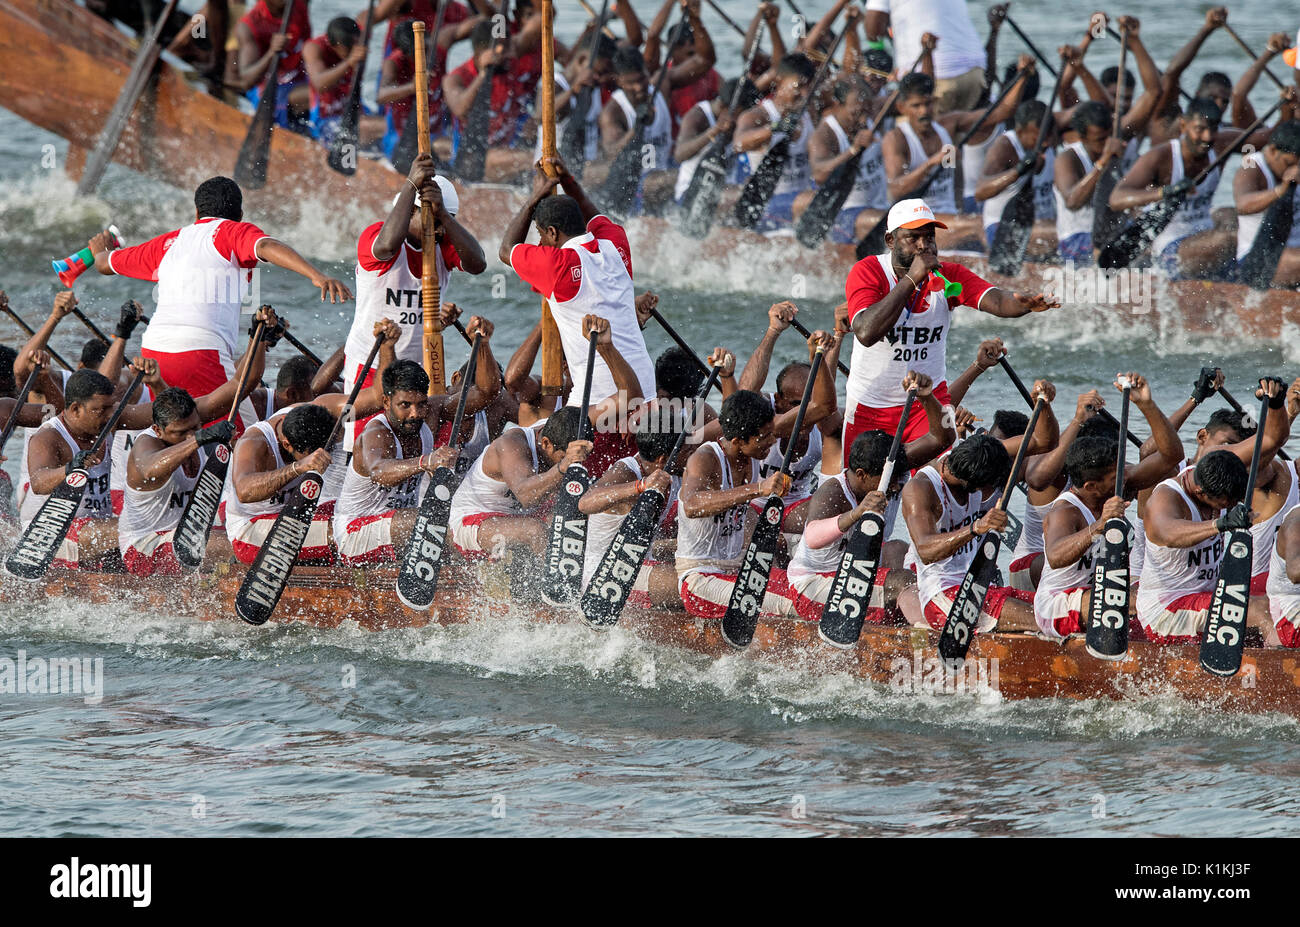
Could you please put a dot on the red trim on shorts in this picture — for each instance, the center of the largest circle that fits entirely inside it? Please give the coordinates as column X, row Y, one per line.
column 777, row 584
column 1023, row 564
column 1258, row 584
column 997, row 597
column 1288, row 633
column 864, row 418
column 1072, row 623
column 384, row 553
column 119, row 497
column 1195, row 601
column 472, row 521
column 162, row 562
column 247, row 553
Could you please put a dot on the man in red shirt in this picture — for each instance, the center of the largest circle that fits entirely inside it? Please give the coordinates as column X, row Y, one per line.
column 203, row 272
column 899, row 315
column 258, row 34
column 331, row 61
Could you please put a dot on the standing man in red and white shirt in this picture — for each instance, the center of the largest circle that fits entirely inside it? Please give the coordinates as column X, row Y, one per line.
column 900, row 319
column 583, row 266
column 203, row 272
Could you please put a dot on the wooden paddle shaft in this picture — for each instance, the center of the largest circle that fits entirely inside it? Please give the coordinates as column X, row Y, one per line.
column 552, row 347
column 1120, row 83
column 430, row 292
column 1246, row 48
column 1014, row 477
column 248, row 365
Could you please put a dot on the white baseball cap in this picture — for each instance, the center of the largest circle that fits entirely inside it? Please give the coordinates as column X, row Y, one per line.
column 450, row 198
column 911, row 214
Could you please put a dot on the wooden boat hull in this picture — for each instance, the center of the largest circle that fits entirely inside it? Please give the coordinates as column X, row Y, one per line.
column 1017, row 666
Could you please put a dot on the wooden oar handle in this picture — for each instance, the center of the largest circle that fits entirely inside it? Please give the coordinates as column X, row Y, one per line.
column 253, row 342
column 672, row 333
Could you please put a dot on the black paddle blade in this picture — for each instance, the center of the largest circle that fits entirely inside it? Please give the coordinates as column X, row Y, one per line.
column 1259, row 264
column 1007, row 252
column 873, row 242
column 1137, row 236
column 567, row 546
column 1106, row 223
column 1011, row 533
column 265, row 580
column 815, row 221
column 751, row 583
column 1106, row 637
column 250, row 168
column 39, row 543
column 761, row 184
column 417, row 580
column 700, row 202
column 966, row 605
column 846, row 606
column 614, row 578
column 191, row 538
column 343, row 152
column 618, row 194
column 1225, row 632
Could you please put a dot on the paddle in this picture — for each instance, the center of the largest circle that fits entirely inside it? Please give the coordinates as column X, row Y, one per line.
column 1253, row 57
column 1107, row 633
column 190, row 540
column 803, row 330
column 408, row 145
column 31, row 333
column 618, row 193
column 1140, row 232
column 1007, row 252
column 699, row 205
column 265, row 580
column 1236, row 407
column 1258, row 265
column 471, row 159
column 1020, row 387
column 1032, row 48
column 573, row 143
column 610, row 585
column 846, row 605
column 751, row 580
column 417, row 579
column 343, row 152
column 39, row 543
column 430, row 287
column 250, row 168
column 760, row 186
column 681, row 343
column 1225, row 631
column 815, row 221
column 19, row 401
column 874, row 241
column 567, row 545
column 302, row 348
column 964, row 615
column 726, row 19
column 1105, row 221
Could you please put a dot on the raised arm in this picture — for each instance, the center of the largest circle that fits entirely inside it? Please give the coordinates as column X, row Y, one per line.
column 754, row 374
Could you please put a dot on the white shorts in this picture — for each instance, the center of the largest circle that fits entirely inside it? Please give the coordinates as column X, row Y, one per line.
column 247, row 537
column 366, row 540
column 811, row 590
column 1182, row 621
column 1060, row 614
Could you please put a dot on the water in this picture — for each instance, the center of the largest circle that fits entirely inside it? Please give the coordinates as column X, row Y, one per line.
column 508, row 728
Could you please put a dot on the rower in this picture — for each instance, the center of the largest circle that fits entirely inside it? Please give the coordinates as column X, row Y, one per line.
column 897, row 330
column 1007, row 168
column 259, row 37
column 1073, row 523
column 331, row 61
column 570, row 81
column 524, row 388
column 1264, row 178
column 618, row 126
column 31, row 415
column 1078, row 168
column 582, row 265
column 492, row 60
column 1283, row 587
column 194, row 332
column 397, row 79
column 706, row 122
column 715, row 517
column 840, row 502
column 791, row 83
column 950, row 504
column 691, row 57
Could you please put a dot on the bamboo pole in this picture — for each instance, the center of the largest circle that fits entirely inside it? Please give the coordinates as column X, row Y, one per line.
column 552, row 348
column 430, row 291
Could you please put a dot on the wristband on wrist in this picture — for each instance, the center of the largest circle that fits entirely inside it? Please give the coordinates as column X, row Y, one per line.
column 413, row 186
column 1278, row 401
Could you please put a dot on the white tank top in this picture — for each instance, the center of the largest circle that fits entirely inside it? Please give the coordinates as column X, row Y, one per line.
column 1169, row 573
column 797, row 175
column 1283, row 595
column 658, row 134
column 1264, row 534
column 1062, row 579
column 803, row 469
column 474, row 446
column 28, row 433
column 1248, row 225
column 869, row 191
column 715, row 543
column 361, row 496
column 603, row 526
column 918, row 341
column 995, row 205
column 1194, row 215
column 941, row 197
column 591, row 152
column 972, row 163
column 686, row 172
column 1031, row 538
column 807, row 561
column 148, row 511
column 479, row 493
column 933, row 578
column 1073, row 221
column 123, row 441
column 238, row 513
column 97, row 501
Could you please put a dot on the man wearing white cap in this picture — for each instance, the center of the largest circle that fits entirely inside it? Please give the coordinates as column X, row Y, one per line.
column 900, row 315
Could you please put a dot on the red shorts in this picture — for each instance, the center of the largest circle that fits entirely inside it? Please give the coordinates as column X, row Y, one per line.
column 864, row 418
column 936, row 609
column 119, row 497
column 1258, row 584
column 196, row 372
column 706, row 595
column 809, row 607
column 161, row 561
column 1288, row 634
column 607, row 449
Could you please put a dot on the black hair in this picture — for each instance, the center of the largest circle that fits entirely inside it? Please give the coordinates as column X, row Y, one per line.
column 307, row 427
column 1092, row 113
column 790, row 368
column 86, row 384
column 915, row 84
column 481, row 38
column 848, row 85
column 1110, row 75
column 406, row 376
column 93, row 353
column 343, row 30
column 404, row 38
column 677, row 373
column 562, row 212
column 878, row 60
column 296, row 372
column 1230, row 418
column 980, row 460
column 1214, row 79
column 869, row 451
column 172, row 405
column 1222, row 475
column 796, row 65
column 749, row 95
column 8, row 357
column 1029, row 81
column 1010, row 422
column 219, row 197
column 1099, row 426
column 563, row 427
column 658, row 428
column 1090, row 458
column 1286, row 137
column 1029, row 113
column 606, row 49
column 1170, row 111
column 628, row 61
column 743, row 415
column 1207, row 109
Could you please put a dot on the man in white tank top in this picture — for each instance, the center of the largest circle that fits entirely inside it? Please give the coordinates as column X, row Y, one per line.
column 756, row 126
column 1284, row 581
column 1072, row 524
column 31, row 415
column 1008, row 167
column 1078, row 168
column 1264, row 178
column 203, row 273
column 704, row 124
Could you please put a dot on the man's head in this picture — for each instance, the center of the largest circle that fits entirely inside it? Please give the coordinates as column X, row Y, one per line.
column 404, row 38
column 306, row 429
column 746, row 421
column 1283, row 149
column 342, row 33
column 1026, row 120
column 980, row 462
column 1090, row 464
column 852, row 94
column 93, row 353
column 749, row 95
column 794, row 75
column 867, row 456
column 1092, row 120
column 916, row 99
column 175, row 416
column 1110, row 83
column 1225, row 427
column 602, row 66
column 558, row 219
column 656, row 433
column 1215, row 86
column 561, row 429
column 1220, row 479
column 1008, row 423
column 631, row 76
column 878, row 64
column 219, row 197
column 790, row 384
column 481, row 41
column 1164, row 125
column 677, row 376
column 1198, row 126
column 293, row 382
column 1099, row 426
column 909, row 231
column 406, row 396
column 88, row 402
